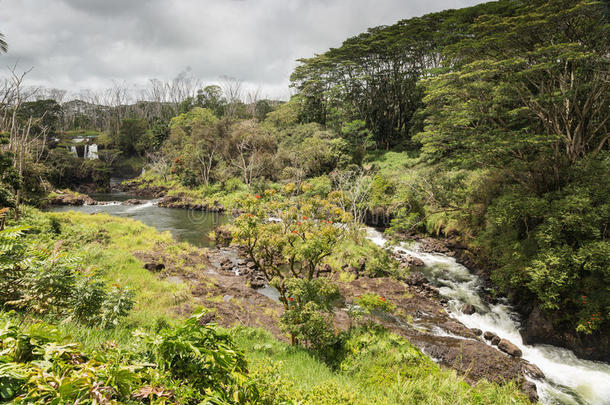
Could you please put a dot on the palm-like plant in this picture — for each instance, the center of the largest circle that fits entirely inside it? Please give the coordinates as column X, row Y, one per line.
column 3, row 44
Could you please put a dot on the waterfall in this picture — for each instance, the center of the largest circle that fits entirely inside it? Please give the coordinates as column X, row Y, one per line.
column 91, row 151
column 568, row 379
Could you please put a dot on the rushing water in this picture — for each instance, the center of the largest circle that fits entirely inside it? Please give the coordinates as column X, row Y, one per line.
column 569, row 380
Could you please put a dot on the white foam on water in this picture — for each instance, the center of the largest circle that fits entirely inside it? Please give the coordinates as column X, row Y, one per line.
column 142, row 206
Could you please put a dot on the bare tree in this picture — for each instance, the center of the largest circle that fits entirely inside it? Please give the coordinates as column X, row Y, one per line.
column 355, row 187
column 250, row 150
column 233, row 93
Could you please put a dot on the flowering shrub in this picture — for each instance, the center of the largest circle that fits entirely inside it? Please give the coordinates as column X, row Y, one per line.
column 373, row 303
column 300, row 236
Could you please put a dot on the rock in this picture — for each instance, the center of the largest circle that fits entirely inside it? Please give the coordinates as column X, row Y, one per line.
column 132, row 201
column 206, row 318
column 70, row 198
column 429, row 245
column 353, row 270
column 477, row 332
column 153, row 266
column 468, row 309
column 324, row 271
column 495, row 340
column 529, row 388
column 532, row 370
column 223, row 236
column 412, row 261
column 257, row 283
column 251, row 265
column 489, row 335
column 416, row 279
column 509, row 348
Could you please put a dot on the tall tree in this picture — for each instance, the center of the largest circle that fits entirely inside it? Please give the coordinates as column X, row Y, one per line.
column 3, row 44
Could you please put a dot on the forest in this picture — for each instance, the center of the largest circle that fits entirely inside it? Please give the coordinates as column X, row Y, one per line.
column 485, row 130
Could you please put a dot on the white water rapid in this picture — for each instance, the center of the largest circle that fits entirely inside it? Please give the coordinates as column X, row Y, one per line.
column 568, row 379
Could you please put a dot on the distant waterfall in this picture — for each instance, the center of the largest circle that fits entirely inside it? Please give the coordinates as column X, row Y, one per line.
column 91, row 152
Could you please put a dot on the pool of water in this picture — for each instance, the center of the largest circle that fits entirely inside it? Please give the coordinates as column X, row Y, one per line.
column 184, row 225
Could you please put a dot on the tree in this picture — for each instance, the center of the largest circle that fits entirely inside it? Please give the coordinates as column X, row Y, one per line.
column 3, row 44
column 293, row 244
column 211, row 97
column 131, row 131
column 250, row 149
column 196, row 141
column 528, row 94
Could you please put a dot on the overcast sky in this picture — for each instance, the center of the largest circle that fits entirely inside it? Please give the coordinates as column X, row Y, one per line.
column 88, row 44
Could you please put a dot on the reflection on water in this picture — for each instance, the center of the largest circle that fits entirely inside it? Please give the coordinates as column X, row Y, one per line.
column 184, row 225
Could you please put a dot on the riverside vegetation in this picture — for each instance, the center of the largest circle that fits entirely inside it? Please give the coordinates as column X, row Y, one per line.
column 487, row 126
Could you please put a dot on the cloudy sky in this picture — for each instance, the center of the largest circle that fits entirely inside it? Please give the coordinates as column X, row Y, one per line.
column 88, row 44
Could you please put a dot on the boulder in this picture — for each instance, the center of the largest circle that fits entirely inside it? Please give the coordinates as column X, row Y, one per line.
column 468, row 309
column 206, row 318
column 223, row 236
column 495, row 340
column 257, row 283
column 532, row 370
column 529, row 388
column 154, row 266
column 324, row 271
column 489, row 335
column 412, row 261
column 132, row 201
column 509, row 348
column 416, row 279
column 477, row 332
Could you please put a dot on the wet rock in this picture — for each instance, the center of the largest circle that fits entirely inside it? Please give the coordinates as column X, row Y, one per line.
column 70, row 198
column 509, row 348
column 489, row 335
column 430, row 245
column 477, row 332
column 532, row 370
column 529, row 388
column 495, row 340
column 416, row 279
column 411, row 261
column 154, row 266
column 132, row 201
column 468, row 309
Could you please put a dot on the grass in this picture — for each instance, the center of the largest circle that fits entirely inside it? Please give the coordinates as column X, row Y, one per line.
column 105, row 244
column 377, row 368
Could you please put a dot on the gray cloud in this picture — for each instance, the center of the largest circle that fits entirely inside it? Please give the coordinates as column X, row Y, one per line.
column 78, row 44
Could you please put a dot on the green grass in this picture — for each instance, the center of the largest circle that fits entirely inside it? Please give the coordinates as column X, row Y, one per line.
column 105, row 244
column 378, row 368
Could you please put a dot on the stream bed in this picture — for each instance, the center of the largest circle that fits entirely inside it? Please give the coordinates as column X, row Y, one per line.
column 569, row 380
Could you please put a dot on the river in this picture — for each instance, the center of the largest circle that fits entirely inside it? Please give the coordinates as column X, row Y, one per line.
column 569, row 380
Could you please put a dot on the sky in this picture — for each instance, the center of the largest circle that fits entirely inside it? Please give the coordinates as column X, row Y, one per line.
column 91, row 44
